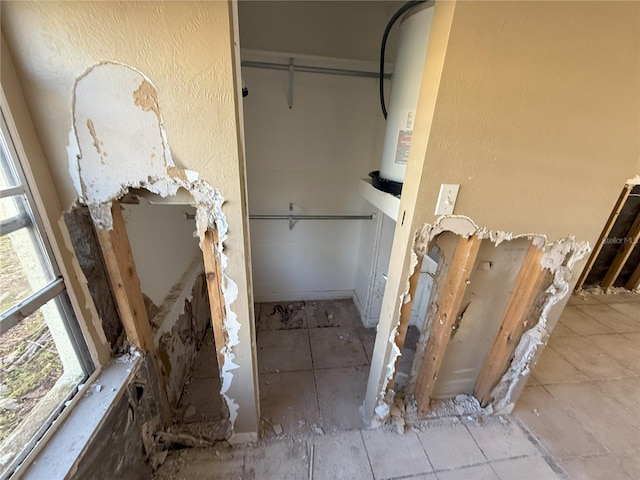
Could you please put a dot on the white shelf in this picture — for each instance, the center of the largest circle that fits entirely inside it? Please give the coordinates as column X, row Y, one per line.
column 385, row 202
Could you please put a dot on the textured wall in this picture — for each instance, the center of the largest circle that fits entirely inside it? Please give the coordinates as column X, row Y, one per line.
column 534, row 109
column 186, row 49
column 538, row 122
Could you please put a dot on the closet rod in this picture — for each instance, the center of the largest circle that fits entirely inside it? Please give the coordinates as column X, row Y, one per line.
column 310, row 217
column 190, row 216
column 309, row 69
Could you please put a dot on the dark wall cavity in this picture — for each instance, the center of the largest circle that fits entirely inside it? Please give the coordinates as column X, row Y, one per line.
column 87, row 249
column 615, row 240
column 118, row 449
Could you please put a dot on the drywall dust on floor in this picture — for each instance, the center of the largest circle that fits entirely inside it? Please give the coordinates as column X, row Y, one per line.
column 313, row 363
column 498, row 449
column 313, row 375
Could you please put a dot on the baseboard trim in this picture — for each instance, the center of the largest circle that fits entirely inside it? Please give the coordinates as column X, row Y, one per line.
column 299, row 296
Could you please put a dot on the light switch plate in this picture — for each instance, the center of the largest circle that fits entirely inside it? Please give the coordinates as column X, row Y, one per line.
column 447, row 199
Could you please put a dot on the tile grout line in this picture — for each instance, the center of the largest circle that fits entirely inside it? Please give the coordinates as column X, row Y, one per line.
column 313, row 369
column 614, row 310
column 578, row 421
column 476, row 442
column 544, row 452
column 603, row 353
column 366, row 451
column 433, row 469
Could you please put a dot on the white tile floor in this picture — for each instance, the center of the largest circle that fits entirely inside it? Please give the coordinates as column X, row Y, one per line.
column 579, row 418
column 376, row 455
column 583, row 402
column 317, row 363
column 313, row 360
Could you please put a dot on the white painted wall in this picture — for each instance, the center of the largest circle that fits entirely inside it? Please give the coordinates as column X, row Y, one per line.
column 313, row 156
column 162, row 244
column 344, row 29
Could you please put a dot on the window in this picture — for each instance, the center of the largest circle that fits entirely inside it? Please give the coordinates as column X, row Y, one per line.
column 43, row 356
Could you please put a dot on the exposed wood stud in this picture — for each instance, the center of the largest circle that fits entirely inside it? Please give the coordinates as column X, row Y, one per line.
column 125, row 285
column 512, row 325
column 634, row 281
column 213, row 274
column 458, row 274
column 405, row 315
column 631, row 239
column 604, row 234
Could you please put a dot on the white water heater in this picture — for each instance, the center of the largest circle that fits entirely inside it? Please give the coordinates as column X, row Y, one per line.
column 407, row 76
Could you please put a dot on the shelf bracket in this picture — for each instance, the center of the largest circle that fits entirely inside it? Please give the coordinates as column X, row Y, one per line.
column 291, row 216
column 291, row 82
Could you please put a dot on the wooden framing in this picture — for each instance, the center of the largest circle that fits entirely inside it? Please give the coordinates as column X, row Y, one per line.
column 125, row 285
column 631, row 239
column 604, row 234
column 455, row 285
column 213, row 274
column 405, row 314
column 512, row 325
column 634, row 280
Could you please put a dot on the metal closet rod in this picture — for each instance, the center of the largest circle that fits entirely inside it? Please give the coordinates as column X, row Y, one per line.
column 310, row 217
column 310, row 69
column 292, row 218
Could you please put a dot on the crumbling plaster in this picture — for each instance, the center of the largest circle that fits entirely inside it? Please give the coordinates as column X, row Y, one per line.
column 188, row 50
column 118, row 142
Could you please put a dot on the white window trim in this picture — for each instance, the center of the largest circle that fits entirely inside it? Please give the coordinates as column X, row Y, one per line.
column 87, row 410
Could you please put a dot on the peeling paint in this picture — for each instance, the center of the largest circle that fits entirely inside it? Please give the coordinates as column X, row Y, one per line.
column 146, row 97
column 140, row 158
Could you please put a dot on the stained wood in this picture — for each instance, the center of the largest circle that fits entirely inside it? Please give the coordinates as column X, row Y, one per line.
column 613, row 216
column 631, row 239
column 458, row 274
column 512, row 325
column 125, row 285
column 405, row 315
column 213, row 274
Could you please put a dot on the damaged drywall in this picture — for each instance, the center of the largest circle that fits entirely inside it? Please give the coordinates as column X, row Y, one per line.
column 179, row 328
column 118, row 143
column 558, row 259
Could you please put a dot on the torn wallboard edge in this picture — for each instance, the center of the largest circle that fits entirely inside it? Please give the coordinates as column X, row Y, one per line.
column 175, row 302
column 559, row 258
column 465, row 227
column 120, row 144
column 176, row 345
column 633, row 180
column 385, row 396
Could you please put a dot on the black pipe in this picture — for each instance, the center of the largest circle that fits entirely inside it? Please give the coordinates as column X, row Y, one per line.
column 407, row 6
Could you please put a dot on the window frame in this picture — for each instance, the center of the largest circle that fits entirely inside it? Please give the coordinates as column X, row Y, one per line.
column 56, row 290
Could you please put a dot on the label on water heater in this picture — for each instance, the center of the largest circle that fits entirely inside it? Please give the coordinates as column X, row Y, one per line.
column 404, row 137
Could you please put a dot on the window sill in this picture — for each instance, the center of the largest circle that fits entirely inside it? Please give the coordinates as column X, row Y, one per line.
column 68, row 438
